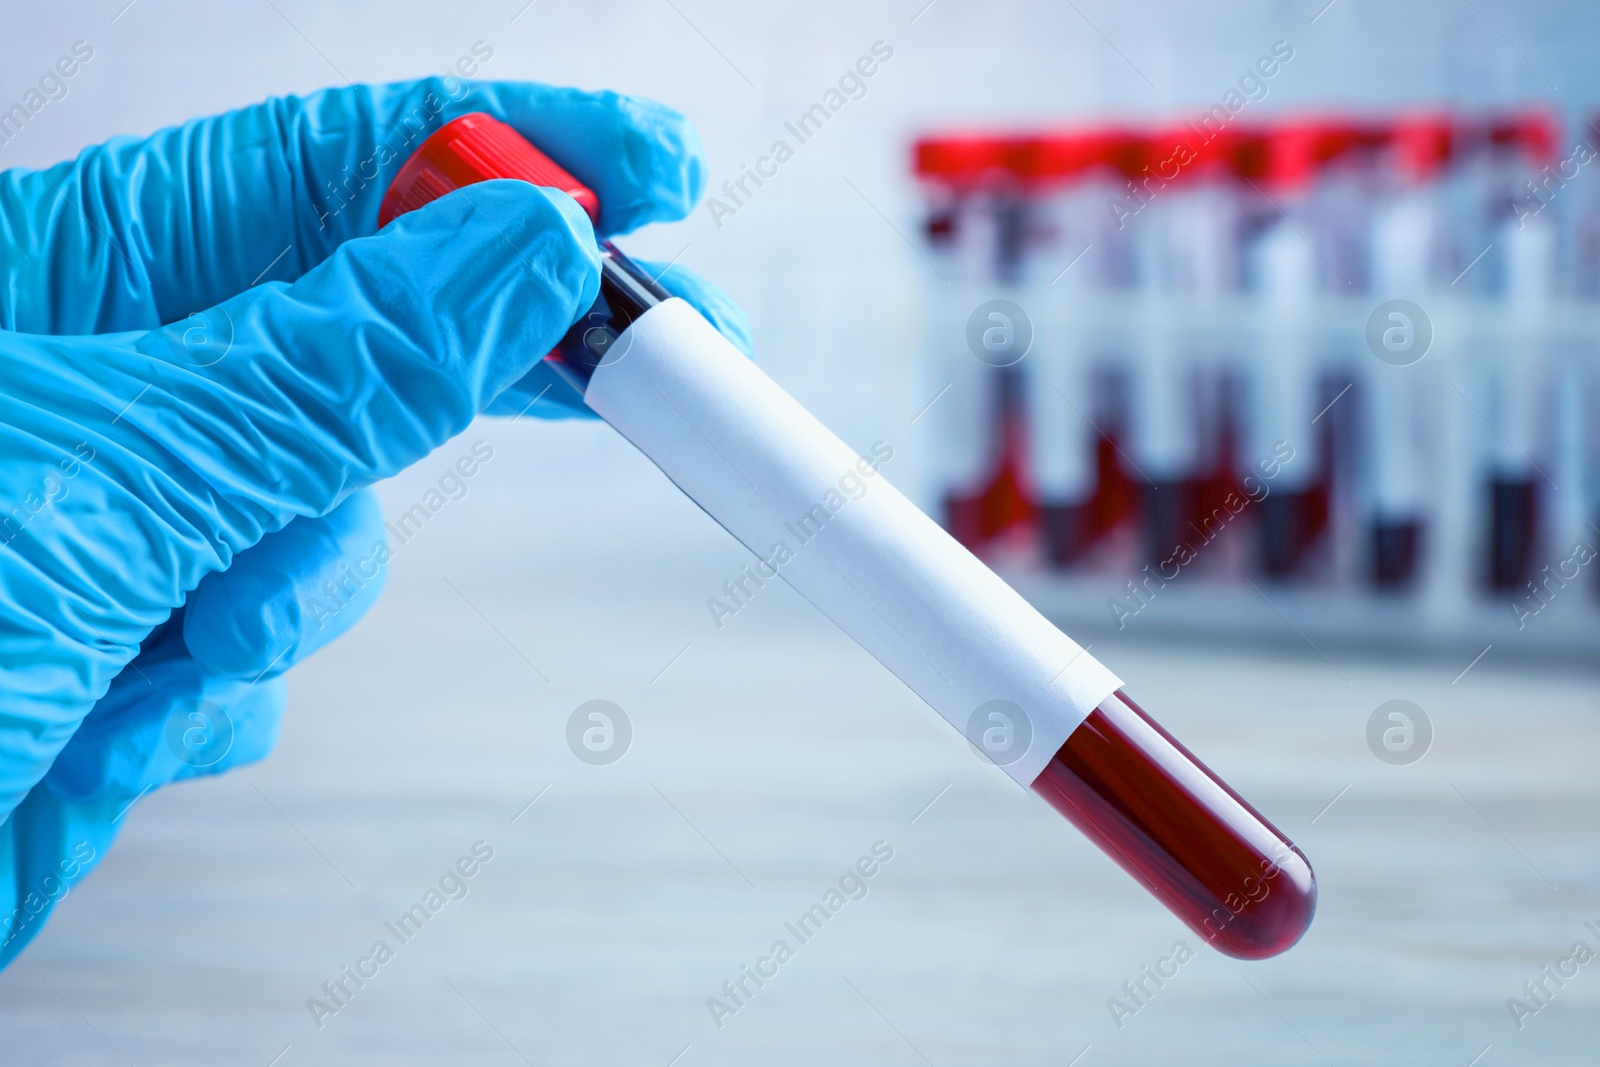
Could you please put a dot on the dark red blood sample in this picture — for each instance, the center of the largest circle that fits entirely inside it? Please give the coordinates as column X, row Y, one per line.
column 963, row 518
column 1513, row 511
column 1211, row 858
column 974, row 519
column 1067, row 532
column 1071, row 529
column 1171, row 518
column 1116, row 498
column 1292, row 523
column 1394, row 553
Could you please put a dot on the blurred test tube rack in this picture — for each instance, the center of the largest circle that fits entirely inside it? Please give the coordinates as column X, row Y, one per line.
column 1326, row 379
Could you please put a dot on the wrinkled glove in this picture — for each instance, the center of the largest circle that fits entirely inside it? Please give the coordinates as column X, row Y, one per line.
column 208, row 352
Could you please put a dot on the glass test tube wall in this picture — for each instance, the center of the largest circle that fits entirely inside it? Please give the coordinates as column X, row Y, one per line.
column 1349, row 355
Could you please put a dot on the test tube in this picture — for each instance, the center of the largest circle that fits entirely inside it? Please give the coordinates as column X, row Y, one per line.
column 1085, row 320
column 1178, row 829
column 1163, row 408
column 1578, row 387
column 965, row 182
column 1188, row 274
column 1514, row 360
column 1283, row 273
column 917, row 601
column 1410, row 260
column 1349, row 184
column 1450, row 579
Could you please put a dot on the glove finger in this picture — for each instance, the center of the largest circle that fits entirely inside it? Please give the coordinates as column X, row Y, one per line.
column 642, row 159
column 136, row 233
column 291, row 593
column 541, row 392
column 49, row 846
column 165, row 718
column 310, row 391
column 708, row 298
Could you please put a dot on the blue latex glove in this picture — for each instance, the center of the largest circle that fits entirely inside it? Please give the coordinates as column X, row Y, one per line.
column 174, row 494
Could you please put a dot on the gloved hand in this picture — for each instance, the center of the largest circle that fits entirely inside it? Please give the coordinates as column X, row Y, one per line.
column 206, row 356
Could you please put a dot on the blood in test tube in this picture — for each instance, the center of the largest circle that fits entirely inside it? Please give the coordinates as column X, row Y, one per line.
column 1075, row 478
column 1286, row 162
column 1394, row 552
column 1406, row 253
column 1119, row 777
column 1174, row 826
column 1513, row 531
column 1005, row 502
column 975, row 228
column 1523, row 143
column 1169, row 510
column 1165, row 445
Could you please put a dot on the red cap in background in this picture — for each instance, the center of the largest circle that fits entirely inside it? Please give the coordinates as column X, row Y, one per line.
column 1290, row 154
column 1352, row 141
column 1422, row 144
column 962, row 159
column 1285, row 157
column 966, row 159
column 1532, row 133
column 1285, row 154
column 1066, row 155
column 1050, row 158
column 1192, row 154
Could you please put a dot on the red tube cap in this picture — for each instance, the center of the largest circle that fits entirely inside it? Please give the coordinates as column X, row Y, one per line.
column 476, row 148
column 961, row 160
column 1423, row 145
column 1533, row 133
